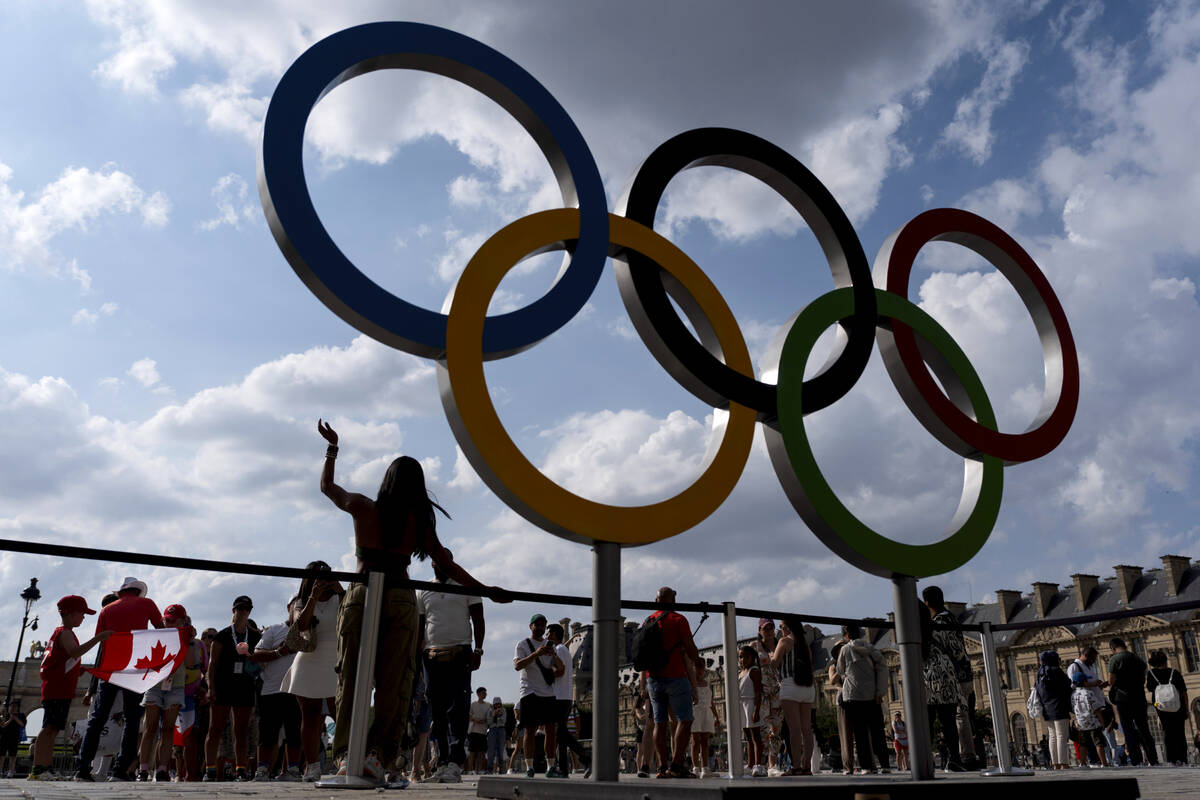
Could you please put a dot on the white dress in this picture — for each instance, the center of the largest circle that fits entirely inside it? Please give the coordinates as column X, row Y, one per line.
column 746, row 695
column 703, row 721
column 311, row 674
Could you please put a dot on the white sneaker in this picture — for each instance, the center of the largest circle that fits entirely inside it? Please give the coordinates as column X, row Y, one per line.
column 372, row 769
column 261, row 774
column 290, row 775
column 312, row 773
column 435, row 777
column 451, row 773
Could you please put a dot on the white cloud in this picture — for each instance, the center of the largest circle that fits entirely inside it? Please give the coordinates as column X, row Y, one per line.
column 234, row 203
column 88, row 319
column 971, row 128
column 228, row 107
column 84, row 318
column 464, row 477
column 1172, row 288
column 80, row 276
column 77, row 198
column 624, row 454
column 145, row 372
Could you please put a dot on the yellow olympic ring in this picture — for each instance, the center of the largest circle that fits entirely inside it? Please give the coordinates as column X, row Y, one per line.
column 493, row 453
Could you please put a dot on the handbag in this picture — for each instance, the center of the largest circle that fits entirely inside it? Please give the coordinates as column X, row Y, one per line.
column 299, row 641
column 1034, row 704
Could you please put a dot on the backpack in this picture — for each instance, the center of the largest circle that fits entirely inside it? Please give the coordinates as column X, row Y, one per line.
column 649, row 652
column 1166, row 696
column 1034, row 704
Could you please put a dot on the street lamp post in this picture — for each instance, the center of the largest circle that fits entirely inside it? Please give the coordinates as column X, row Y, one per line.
column 31, row 595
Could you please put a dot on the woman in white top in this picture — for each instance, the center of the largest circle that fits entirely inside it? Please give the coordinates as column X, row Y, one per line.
column 312, row 678
column 797, row 692
column 704, row 712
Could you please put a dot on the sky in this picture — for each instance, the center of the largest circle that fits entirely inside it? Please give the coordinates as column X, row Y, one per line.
column 162, row 369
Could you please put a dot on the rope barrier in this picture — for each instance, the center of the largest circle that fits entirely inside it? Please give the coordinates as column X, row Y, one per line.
column 507, row 595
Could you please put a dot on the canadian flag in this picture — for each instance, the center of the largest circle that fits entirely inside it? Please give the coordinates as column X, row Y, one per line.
column 140, row 659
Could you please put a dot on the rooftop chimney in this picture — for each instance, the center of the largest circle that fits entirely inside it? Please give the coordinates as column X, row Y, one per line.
column 1127, row 578
column 1043, row 596
column 1175, row 567
column 1084, row 585
column 1008, row 599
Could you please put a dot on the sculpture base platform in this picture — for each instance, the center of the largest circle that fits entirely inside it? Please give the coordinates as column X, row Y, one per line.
column 822, row 787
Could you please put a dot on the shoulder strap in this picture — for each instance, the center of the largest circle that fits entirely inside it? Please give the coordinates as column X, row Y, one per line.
column 1150, row 672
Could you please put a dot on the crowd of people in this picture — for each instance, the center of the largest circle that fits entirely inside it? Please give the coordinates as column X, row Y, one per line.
column 257, row 697
column 1109, row 728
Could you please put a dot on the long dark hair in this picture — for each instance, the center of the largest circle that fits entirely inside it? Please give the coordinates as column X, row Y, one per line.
column 402, row 492
column 306, row 585
column 802, row 672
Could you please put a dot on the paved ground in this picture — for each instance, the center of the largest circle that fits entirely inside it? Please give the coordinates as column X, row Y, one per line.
column 1155, row 784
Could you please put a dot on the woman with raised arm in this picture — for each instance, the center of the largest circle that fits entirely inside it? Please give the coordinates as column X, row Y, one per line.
column 388, row 531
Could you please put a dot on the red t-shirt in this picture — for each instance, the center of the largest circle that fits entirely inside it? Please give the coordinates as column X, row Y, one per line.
column 59, row 678
column 674, row 629
column 129, row 613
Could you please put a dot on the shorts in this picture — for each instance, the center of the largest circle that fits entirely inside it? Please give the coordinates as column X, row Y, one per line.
column 537, row 710
column 54, row 713
column 8, row 749
column 163, row 698
column 675, row 693
column 901, row 747
column 477, row 742
column 276, row 711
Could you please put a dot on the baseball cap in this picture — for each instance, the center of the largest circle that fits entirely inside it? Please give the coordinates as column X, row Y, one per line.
column 496, row 701
column 764, row 622
column 175, row 611
column 73, row 603
column 243, row 600
column 536, row 617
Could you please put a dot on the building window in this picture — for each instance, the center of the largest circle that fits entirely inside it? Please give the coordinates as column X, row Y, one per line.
column 1190, row 653
column 1020, row 739
column 1010, row 672
column 895, row 685
column 1138, row 646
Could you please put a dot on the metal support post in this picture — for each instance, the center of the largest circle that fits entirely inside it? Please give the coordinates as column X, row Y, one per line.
column 607, row 647
column 999, row 712
column 733, row 703
column 908, row 639
column 364, row 679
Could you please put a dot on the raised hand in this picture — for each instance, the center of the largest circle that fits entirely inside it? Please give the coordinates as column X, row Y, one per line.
column 326, row 430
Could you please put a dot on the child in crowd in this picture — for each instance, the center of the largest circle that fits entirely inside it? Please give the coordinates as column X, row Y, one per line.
column 751, row 694
column 1084, row 707
column 61, row 665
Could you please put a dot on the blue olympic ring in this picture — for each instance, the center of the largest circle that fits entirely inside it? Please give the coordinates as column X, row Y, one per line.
column 323, row 267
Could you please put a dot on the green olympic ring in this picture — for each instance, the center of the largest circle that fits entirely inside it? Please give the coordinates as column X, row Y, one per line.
column 809, row 492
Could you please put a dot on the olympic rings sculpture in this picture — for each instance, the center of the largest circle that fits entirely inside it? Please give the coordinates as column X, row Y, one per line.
column 870, row 308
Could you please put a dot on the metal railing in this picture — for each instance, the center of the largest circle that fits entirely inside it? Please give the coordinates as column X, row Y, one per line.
column 907, row 641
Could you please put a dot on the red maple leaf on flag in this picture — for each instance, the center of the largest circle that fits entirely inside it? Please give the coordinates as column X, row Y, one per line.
column 159, row 658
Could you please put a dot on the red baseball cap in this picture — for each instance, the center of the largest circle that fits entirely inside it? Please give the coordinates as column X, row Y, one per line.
column 175, row 611
column 73, row 603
